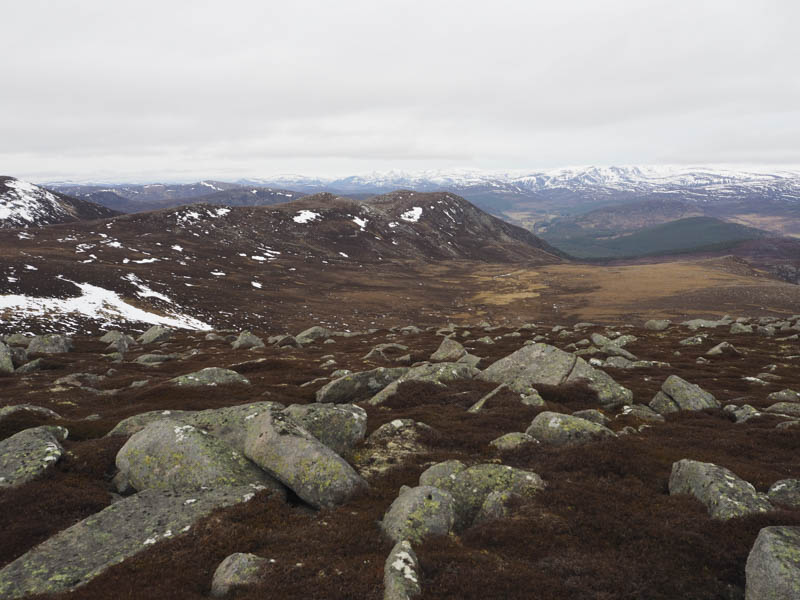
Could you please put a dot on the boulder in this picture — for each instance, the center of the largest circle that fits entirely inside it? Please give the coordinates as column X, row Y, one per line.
column 695, row 324
column 391, row 444
column 593, row 415
column 722, row 348
column 786, row 395
column 313, row 333
column 237, row 569
column 657, row 324
column 512, row 441
column 545, row 364
column 154, row 359
column 449, row 351
column 75, row 556
column 247, row 340
column 339, row 426
column 15, row 409
column 645, row 413
column 210, row 376
column 678, row 394
column 470, row 486
column 170, row 455
column 157, row 333
column 379, row 352
column 292, row 455
column 26, row 455
column 17, row 339
column 418, row 513
column 742, row 413
column 785, row 408
column 30, row 367
column 773, row 565
column 496, row 506
column 358, row 386
column 122, row 344
column 6, row 359
column 738, row 328
column 112, row 336
column 724, row 494
column 51, row 343
column 786, row 492
column 695, row 340
column 565, row 430
column 401, row 573
column 437, row 374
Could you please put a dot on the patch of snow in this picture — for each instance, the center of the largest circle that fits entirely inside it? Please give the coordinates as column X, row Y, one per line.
column 145, row 261
column 360, row 222
column 256, row 285
column 413, row 215
column 218, row 273
column 177, row 248
column 343, row 254
column 305, row 216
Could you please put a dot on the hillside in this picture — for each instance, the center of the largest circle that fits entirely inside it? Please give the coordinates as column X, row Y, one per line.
column 686, row 235
column 23, row 204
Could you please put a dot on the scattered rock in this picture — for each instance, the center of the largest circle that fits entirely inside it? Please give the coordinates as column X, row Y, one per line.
column 741, row 413
column 544, row 364
column 418, row 513
column 695, row 340
column 722, row 348
column 695, row 324
column 357, row 386
column 210, row 376
column 512, row 441
column 593, row 415
column 75, row 556
column 155, row 334
column 30, row 367
column 391, row 444
column 678, row 394
column 791, row 409
column 313, row 333
column 773, row 565
column 723, row 493
column 50, row 344
column 437, row 374
column 401, row 573
column 739, row 328
column 27, row 454
column 480, row 403
column 565, row 430
column 292, row 455
column 154, row 359
column 6, row 359
column 246, row 341
column 236, row 570
column 15, row 409
column 380, row 351
column 449, row 351
column 786, row 395
column 339, row 426
column 785, row 491
column 657, row 324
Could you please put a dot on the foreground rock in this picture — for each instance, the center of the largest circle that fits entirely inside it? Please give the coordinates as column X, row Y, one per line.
column 418, row 513
column 296, row 458
column 773, row 565
column 27, row 454
column 169, row 455
column 678, row 394
column 237, row 569
column 210, row 376
column 80, row 553
column 725, row 495
column 471, row 486
column 566, row 430
column 339, row 426
column 401, row 573
column 543, row 364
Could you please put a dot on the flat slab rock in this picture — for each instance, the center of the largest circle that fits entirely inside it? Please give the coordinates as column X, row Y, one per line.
column 724, row 494
column 29, row 453
column 80, row 553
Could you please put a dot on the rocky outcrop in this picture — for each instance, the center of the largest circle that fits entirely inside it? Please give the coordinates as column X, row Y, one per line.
column 678, row 394
column 543, row 364
column 80, row 553
column 723, row 493
column 557, row 429
column 773, row 565
column 26, row 455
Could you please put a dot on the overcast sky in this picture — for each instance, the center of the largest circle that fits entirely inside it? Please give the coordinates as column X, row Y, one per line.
column 178, row 90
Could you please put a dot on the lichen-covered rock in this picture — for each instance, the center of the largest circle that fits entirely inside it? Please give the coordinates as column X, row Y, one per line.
column 786, row 492
column 722, row 348
column 318, row 475
column 657, row 324
column 724, row 494
column 154, row 359
column 237, row 569
column 645, row 413
column 29, row 453
column 773, row 565
column 418, row 513
column 157, row 333
column 75, row 556
column 210, row 376
column 449, row 351
column 557, row 429
column 32, row 409
column 138, row 422
column 247, row 340
column 51, row 343
column 786, row 395
column 437, row 374
column 170, row 455
column 30, row 367
column 313, row 333
column 678, row 394
column 742, row 413
column 339, row 426
column 358, row 386
column 593, row 415
column 548, row 365
column 785, row 408
column 470, row 486
column 391, row 444
column 401, row 573
column 494, row 507
column 512, row 441
column 17, row 339
column 739, row 328
column 6, row 359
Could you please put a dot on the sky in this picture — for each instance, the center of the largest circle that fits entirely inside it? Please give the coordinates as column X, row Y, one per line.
column 179, row 90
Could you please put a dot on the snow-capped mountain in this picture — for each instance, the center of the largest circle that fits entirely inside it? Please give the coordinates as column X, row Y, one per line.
column 24, row 204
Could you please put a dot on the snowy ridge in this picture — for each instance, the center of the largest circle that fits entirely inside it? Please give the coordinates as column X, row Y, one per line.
column 23, row 204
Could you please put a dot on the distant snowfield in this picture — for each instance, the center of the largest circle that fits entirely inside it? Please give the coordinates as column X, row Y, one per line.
column 95, row 303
